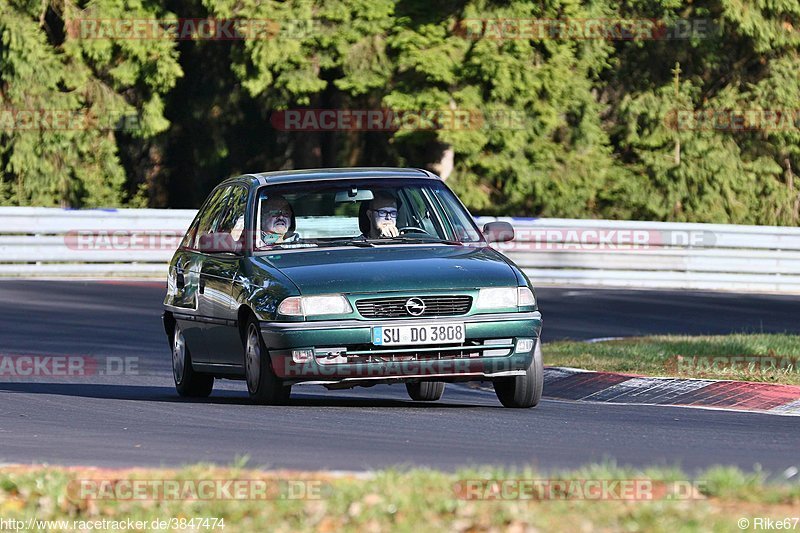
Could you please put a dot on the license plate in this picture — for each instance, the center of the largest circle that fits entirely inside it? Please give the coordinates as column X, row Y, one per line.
column 418, row 334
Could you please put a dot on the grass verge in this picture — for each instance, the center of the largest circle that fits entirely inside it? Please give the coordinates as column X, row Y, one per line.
column 412, row 500
column 768, row 358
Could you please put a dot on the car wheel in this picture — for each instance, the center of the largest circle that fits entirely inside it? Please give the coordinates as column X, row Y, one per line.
column 523, row 391
column 262, row 384
column 187, row 382
column 426, row 391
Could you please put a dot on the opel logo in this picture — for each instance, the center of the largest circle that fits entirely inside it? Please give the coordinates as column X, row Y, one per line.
column 415, row 306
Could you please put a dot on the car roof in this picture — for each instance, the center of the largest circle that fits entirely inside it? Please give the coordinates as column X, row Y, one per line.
column 320, row 174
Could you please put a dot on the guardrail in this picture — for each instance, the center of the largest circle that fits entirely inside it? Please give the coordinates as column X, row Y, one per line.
column 656, row 254
column 139, row 242
column 41, row 241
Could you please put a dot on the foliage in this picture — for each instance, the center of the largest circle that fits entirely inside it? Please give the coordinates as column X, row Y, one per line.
column 99, row 88
column 568, row 127
column 595, row 497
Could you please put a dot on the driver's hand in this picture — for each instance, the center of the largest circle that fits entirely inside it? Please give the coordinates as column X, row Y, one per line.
column 389, row 230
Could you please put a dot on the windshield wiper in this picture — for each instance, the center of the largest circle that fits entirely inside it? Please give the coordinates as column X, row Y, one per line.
column 363, row 242
column 287, row 246
column 359, row 241
column 420, row 239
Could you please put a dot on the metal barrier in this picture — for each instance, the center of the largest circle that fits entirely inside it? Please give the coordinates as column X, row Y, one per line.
column 656, row 254
column 41, row 241
column 139, row 242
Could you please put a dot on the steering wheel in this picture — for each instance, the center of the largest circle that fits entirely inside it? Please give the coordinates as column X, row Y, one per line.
column 411, row 229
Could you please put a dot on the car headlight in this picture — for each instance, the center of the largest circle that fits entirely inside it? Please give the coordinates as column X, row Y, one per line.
column 327, row 304
column 504, row 297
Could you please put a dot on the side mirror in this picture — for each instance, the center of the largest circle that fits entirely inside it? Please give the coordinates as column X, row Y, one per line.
column 498, row 232
column 212, row 243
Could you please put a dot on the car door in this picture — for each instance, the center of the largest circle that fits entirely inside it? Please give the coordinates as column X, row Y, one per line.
column 217, row 305
column 188, row 265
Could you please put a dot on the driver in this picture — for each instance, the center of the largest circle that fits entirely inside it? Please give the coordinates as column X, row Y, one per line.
column 277, row 221
column 382, row 213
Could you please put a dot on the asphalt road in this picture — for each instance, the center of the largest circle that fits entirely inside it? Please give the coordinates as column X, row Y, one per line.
column 109, row 420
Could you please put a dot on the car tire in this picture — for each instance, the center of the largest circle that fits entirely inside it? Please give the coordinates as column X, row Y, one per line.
column 523, row 391
column 263, row 385
column 426, row 391
column 188, row 382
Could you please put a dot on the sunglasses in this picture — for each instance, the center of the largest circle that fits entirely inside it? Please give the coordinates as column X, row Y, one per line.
column 279, row 213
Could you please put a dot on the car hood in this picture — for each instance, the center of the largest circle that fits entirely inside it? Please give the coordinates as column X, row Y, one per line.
column 392, row 268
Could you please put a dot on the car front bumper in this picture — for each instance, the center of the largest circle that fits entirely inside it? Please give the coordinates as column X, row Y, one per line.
column 341, row 352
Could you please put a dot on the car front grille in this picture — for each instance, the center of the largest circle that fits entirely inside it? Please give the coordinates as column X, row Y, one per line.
column 396, row 307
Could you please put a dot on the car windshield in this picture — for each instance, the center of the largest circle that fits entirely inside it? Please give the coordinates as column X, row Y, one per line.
column 360, row 213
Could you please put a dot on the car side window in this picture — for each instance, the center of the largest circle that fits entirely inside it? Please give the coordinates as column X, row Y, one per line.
column 419, row 214
column 188, row 239
column 210, row 215
column 459, row 224
column 231, row 220
column 191, row 237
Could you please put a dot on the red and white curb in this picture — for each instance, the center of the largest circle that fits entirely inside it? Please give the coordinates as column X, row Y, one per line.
column 584, row 385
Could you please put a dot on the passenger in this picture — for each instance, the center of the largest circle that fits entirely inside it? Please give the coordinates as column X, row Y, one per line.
column 380, row 217
column 277, row 221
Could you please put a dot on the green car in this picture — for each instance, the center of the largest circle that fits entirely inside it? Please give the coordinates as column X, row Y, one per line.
column 348, row 277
